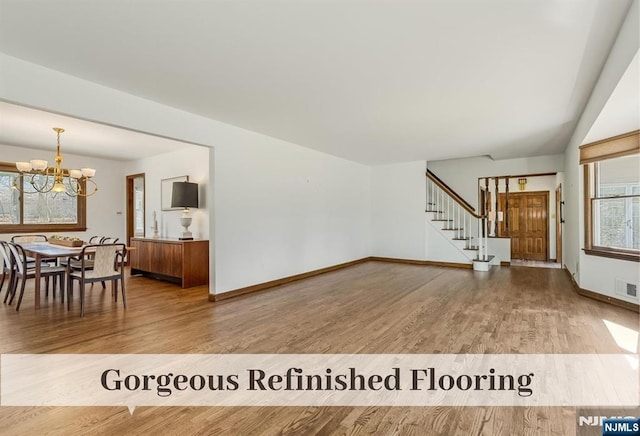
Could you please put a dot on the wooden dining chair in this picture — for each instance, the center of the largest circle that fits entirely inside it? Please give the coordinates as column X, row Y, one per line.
column 21, row 270
column 107, row 266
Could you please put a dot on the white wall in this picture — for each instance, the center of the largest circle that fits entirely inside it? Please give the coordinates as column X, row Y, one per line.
column 263, row 203
column 500, row 248
column 462, row 174
column 105, row 209
column 281, row 209
column 192, row 161
column 439, row 247
column 599, row 274
column 398, row 203
column 596, row 273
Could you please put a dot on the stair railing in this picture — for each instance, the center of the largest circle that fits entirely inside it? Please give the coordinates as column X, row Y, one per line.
column 457, row 214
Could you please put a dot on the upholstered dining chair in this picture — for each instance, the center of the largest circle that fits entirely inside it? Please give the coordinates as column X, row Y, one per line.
column 28, row 239
column 5, row 262
column 22, row 270
column 9, row 266
column 107, row 266
column 74, row 261
column 109, row 240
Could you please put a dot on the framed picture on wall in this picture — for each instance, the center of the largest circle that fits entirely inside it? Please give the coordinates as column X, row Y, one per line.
column 166, row 185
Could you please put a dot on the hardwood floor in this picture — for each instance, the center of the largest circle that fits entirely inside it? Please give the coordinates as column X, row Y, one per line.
column 535, row 263
column 373, row 307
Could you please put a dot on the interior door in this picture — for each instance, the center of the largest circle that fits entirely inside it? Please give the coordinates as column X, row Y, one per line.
column 528, row 224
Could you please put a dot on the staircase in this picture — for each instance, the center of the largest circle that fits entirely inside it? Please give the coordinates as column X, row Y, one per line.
column 458, row 221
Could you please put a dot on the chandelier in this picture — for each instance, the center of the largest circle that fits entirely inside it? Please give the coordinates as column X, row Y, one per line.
column 44, row 179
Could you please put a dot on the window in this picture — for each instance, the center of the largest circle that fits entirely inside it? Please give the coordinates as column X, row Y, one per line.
column 33, row 211
column 612, row 197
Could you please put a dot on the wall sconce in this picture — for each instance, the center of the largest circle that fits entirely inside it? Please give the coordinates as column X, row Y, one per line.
column 522, row 183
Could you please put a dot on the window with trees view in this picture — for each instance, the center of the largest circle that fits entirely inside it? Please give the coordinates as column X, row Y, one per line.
column 612, row 197
column 34, row 211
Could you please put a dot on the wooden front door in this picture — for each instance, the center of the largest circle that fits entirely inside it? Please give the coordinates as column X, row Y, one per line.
column 528, row 224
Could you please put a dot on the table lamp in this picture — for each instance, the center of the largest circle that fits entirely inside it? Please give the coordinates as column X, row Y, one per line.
column 185, row 194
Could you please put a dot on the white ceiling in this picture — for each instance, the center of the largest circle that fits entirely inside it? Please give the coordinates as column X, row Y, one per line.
column 372, row 81
column 26, row 127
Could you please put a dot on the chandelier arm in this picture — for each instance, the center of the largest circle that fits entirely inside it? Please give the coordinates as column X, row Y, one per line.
column 95, row 188
column 70, row 192
column 87, row 193
column 20, row 187
column 75, row 189
column 43, row 188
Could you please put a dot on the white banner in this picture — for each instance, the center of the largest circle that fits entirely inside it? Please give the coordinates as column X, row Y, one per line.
column 319, row 380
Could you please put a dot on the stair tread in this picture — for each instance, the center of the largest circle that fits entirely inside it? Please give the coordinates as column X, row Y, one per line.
column 434, row 211
column 488, row 259
column 441, row 220
column 450, row 230
column 461, row 239
column 472, row 248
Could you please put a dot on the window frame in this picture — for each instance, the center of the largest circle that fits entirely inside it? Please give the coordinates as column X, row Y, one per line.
column 590, row 154
column 79, row 226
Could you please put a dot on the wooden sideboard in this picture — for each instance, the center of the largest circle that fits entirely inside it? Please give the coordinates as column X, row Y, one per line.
column 182, row 262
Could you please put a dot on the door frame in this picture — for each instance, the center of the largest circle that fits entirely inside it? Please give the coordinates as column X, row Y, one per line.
column 559, row 221
column 546, row 196
column 130, row 208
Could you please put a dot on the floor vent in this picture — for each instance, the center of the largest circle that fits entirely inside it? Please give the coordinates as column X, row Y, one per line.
column 627, row 289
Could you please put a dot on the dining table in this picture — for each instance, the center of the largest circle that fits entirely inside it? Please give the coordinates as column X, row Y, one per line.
column 41, row 251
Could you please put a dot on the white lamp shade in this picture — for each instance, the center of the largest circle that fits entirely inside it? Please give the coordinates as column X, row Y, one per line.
column 23, row 166
column 88, row 172
column 75, row 174
column 39, row 165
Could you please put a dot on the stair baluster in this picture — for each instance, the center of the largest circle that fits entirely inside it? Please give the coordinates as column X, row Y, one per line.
column 461, row 222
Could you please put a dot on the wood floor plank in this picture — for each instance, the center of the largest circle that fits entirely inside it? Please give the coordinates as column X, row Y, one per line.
column 374, row 307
